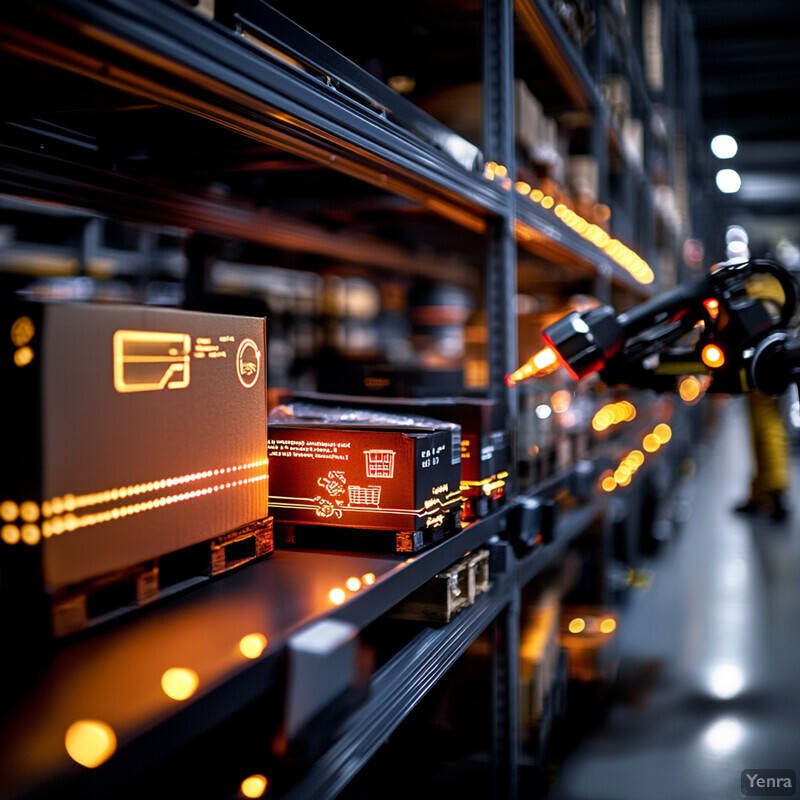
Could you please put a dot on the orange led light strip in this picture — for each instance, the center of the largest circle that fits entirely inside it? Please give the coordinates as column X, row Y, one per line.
column 69, row 502
column 613, row 414
column 613, row 248
column 71, row 522
column 59, row 516
column 621, row 476
column 432, row 506
column 487, row 485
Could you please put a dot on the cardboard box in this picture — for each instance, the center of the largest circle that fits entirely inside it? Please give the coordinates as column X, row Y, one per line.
column 460, row 108
column 133, row 432
column 583, row 175
column 484, row 450
column 352, row 470
column 534, row 131
column 633, row 139
column 616, row 91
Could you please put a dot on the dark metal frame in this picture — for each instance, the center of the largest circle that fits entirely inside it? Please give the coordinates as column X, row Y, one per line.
column 335, row 114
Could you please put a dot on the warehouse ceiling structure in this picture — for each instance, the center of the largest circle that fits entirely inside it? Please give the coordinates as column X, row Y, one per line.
column 749, row 64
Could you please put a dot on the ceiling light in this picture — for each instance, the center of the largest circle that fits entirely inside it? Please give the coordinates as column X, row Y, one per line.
column 724, row 146
column 726, row 681
column 724, row 735
column 728, row 181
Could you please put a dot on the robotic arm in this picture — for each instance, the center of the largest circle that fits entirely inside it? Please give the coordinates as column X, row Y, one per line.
column 725, row 324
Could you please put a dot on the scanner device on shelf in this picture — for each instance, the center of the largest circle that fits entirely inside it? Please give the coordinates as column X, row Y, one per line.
column 732, row 325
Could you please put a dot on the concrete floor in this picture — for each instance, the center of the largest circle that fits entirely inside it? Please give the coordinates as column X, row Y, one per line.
column 709, row 678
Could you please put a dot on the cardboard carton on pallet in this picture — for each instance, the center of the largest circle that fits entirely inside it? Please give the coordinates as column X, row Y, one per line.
column 136, row 441
column 346, row 470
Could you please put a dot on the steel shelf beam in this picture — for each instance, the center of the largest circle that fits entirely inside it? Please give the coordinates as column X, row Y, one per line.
column 395, row 691
column 171, row 55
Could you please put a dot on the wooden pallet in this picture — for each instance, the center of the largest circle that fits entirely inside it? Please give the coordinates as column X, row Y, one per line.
column 333, row 537
column 106, row 597
column 448, row 592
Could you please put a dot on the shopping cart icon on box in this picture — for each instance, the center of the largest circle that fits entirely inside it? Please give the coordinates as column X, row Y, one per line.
column 380, row 463
column 364, row 495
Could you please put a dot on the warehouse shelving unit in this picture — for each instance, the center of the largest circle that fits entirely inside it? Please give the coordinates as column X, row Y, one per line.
column 232, row 128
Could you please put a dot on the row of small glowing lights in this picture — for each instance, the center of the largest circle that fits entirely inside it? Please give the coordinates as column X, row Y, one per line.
column 626, row 469
column 58, row 516
column 338, row 595
column 92, row 742
column 581, row 625
column 613, row 248
column 615, row 414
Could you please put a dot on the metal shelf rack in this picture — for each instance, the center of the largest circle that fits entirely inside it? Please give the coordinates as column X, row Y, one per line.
column 253, row 77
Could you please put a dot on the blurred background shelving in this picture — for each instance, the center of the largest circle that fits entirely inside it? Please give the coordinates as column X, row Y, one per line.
column 409, row 192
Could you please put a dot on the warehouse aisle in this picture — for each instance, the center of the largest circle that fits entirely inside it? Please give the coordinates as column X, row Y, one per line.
column 709, row 681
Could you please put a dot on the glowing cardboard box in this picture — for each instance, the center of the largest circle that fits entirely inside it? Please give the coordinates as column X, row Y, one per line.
column 484, row 454
column 131, row 433
column 347, row 472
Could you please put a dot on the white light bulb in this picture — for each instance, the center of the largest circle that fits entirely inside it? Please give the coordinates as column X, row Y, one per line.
column 729, row 181
column 724, row 146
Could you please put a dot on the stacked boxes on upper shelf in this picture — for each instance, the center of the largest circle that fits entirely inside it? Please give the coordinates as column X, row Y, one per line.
column 617, row 93
column 540, row 155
